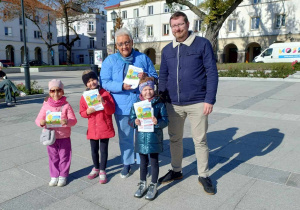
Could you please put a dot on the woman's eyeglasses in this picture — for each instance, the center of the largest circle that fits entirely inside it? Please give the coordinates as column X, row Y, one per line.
column 125, row 43
column 55, row 90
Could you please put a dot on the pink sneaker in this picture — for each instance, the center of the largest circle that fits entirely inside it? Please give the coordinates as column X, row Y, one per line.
column 94, row 173
column 102, row 176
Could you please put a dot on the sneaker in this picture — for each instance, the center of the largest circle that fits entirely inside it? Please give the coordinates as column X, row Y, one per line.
column 62, row 181
column 152, row 191
column 102, row 176
column 93, row 174
column 9, row 104
column 142, row 189
column 22, row 94
column 207, row 185
column 53, row 181
column 170, row 176
column 125, row 171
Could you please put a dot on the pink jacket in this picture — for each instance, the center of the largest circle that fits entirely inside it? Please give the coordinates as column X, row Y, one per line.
column 67, row 113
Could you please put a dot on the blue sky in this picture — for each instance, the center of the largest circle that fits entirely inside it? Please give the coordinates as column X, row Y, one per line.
column 112, row 2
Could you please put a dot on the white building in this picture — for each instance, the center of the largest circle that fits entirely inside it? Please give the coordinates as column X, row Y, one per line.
column 12, row 45
column 92, row 32
column 253, row 26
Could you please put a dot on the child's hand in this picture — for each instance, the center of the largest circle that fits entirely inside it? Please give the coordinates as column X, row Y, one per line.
column 64, row 122
column 90, row 110
column 154, row 120
column 137, row 122
column 100, row 99
column 42, row 122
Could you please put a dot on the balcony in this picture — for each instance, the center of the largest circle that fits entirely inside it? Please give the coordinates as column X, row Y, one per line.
column 93, row 46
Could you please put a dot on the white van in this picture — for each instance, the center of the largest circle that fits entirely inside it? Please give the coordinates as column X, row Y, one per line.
column 280, row 53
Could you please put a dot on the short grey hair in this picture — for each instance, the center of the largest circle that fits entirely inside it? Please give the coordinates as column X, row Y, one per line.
column 123, row 32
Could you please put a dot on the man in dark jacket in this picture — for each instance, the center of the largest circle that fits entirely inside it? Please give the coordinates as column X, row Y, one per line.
column 188, row 79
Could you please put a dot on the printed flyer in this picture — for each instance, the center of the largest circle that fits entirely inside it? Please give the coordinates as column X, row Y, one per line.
column 90, row 97
column 53, row 119
column 131, row 77
column 144, row 113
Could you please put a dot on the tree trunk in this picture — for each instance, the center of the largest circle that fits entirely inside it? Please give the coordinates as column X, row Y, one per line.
column 212, row 33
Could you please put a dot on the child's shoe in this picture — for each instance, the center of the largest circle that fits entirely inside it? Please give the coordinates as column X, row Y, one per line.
column 22, row 94
column 142, row 189
column 62, row 181
column 53, row 181
column 152, row 191
column 102, row 176
column 125, row 171
column 93, row 174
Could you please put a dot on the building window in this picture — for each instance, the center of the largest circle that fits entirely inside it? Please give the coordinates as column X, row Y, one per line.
column 92, row 42
column 21, row 35
column 149, row 30
column 79, row 42
column 197, row 26
column 166, row 29
column 49, row 35
column 81, row 58
column 150, row 10
column 91, row 26
column 280, row 20
column 37, row 34
column 78, row 26
column 103, row 27
column 124, row 14
column 20, row 20
column 103, row 42
column 136, row 32
column 8, row 31
column 232, row 25
column 256, row 1
column 135, row 12
column 166, row 8
column 37, row 19
column 255, row 23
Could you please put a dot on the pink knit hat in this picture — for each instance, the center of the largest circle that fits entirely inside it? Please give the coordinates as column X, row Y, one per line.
column 55, row 83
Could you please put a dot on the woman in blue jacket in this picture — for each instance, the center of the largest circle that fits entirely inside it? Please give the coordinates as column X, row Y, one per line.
column 149, row 142
column 113, row 72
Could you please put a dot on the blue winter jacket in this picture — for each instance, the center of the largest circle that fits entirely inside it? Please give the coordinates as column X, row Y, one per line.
column 111, row 78
column 151, row 142
column 188, row 72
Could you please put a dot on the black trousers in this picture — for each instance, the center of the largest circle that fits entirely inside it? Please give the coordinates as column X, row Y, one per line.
column 154, row 166
column 103, row 151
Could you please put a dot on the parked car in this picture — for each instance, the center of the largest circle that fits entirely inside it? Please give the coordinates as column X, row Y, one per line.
column 37, row 63
column 7, row 63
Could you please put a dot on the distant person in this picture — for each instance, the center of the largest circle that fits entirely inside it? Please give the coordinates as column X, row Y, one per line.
column 113, row 72
column 100, row 125
column 188, row 79
column 8, row 87
column 60, row 152
column 149, row 143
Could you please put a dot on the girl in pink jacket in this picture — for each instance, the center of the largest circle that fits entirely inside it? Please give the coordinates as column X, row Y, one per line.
column 59, row 152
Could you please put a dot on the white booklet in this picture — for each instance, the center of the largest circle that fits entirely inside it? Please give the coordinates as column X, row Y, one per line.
column 53, row 119
column 91, row 100
column 144, row 113
column 131, row 77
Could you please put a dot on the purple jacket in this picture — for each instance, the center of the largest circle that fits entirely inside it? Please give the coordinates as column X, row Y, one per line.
column 188, row 72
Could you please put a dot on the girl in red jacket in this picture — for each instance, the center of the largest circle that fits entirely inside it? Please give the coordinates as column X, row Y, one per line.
column 100, row 126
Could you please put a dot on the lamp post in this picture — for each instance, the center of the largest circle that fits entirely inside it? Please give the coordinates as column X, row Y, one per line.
column 114, row 17
column 25, row 64
column 50, row 37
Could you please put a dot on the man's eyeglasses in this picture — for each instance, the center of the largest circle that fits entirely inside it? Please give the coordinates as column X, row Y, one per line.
column 125, row 43
column 177, row 25
column 55, row 90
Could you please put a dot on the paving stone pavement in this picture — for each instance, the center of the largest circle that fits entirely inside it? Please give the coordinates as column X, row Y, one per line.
column 254, row 146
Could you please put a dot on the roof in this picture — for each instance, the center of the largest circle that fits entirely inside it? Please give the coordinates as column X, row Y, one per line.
column 112, row 6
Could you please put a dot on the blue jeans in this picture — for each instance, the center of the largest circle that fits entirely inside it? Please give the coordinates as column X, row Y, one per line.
column 126, row 140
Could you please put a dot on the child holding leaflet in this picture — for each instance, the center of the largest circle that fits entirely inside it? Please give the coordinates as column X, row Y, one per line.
column 100, row 125
column 149, row 143
column 60, row 151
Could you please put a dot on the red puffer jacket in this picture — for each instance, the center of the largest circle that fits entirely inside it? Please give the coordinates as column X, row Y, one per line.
column 100, row 125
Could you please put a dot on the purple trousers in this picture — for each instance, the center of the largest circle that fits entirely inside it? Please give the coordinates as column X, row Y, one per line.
column 60, row 154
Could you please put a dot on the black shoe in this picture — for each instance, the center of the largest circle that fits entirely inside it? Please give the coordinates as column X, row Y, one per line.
column 170, row 176
column 207, row 185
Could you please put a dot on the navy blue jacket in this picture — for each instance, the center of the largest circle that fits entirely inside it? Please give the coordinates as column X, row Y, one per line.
column 151, row 142
column 188, row 74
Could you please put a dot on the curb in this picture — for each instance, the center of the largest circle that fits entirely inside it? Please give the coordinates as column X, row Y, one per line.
column 19, row 98
column 260, row 79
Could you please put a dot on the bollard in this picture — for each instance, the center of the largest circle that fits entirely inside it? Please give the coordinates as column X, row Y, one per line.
column 94, row 68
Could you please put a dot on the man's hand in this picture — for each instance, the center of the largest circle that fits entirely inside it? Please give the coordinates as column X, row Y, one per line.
column 126, row 87
column 208, row 108
column 137, row 122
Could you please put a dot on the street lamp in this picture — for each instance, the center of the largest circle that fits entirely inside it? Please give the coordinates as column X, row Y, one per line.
column 25, row 64
column 114, row 17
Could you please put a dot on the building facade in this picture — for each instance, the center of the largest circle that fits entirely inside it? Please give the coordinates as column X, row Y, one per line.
column 12, row 45
column 91, row 29
column 252, row 27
